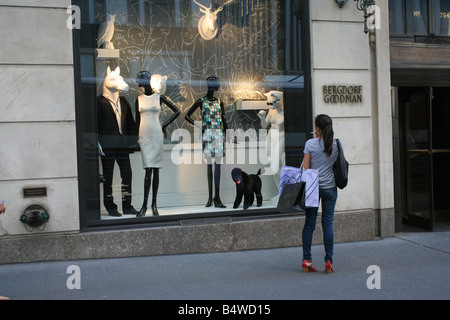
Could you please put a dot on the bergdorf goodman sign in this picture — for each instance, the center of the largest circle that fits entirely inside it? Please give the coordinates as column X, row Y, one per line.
column 342, row 94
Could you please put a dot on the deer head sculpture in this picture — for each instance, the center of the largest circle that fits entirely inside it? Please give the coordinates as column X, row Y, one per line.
column 207, row 25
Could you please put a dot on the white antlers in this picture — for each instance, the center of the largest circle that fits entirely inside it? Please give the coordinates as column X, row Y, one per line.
column 207, row 25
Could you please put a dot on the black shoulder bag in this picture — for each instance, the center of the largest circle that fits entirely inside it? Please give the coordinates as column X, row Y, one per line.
column 340, row 168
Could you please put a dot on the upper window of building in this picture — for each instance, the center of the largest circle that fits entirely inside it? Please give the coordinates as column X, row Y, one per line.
column 443, row 23
column 419, row 17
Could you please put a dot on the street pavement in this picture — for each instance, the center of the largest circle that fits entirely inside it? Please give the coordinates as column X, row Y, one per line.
column 413, row 265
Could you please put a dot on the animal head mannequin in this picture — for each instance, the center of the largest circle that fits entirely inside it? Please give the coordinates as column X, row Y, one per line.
column 207, row 25
column 158, row 83
column 274, row 99
column 114, row 83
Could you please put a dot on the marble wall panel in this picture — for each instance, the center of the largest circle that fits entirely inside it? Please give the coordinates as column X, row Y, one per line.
column 38, row 150
column 37, row 3
column 37, row 93
column 35, row 36
column 329, row 10
column 356, row 137
column 339, row 45
column 359, row 193
column 386, row 179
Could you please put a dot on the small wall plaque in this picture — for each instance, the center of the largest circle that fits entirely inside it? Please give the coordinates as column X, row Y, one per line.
column 34, row 192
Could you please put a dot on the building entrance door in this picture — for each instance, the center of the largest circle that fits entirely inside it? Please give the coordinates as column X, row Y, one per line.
column 425, row 139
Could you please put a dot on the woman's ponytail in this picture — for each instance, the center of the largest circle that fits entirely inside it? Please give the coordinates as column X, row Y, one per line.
column 325, row 124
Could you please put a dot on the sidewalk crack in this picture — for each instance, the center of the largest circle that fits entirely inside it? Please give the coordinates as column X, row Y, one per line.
column 424, row 245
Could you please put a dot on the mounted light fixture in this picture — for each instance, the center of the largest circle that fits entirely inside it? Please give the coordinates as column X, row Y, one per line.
column 341, row 3
column 364, row 5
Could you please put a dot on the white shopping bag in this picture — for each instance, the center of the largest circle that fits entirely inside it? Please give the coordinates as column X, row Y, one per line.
column 291, row 175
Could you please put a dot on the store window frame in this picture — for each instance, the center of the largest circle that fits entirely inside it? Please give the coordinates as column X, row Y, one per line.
column 89, row 225
column 430, row 36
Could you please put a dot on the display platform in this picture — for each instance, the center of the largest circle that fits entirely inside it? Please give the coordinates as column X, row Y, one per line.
column 192, row 209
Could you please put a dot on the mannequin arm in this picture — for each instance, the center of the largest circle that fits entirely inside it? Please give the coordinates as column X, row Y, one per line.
column 191, row 111
column 265, row 118
column 175, row 115
column 224, row 119
column 137, row 113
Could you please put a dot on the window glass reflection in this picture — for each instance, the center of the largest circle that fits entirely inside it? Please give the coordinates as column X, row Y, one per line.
column 443, row 20
column 396, row 17
column 417, row 17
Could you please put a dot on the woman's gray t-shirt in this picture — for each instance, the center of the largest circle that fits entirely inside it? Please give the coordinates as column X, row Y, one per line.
column 322, row 162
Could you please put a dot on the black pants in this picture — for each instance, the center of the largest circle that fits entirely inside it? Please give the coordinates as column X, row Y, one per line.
column 108, row 161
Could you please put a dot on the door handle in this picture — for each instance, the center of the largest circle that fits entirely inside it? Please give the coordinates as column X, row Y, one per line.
column 440, row 150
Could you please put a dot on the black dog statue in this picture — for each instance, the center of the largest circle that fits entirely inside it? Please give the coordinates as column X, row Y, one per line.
column 247, row 185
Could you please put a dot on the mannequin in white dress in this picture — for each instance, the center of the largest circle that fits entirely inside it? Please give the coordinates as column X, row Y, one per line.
column 151, row 133
column 274, row 147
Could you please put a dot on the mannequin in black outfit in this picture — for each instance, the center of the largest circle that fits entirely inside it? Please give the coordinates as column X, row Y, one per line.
column 117, row 148
column 143, row 79
column 213, row 85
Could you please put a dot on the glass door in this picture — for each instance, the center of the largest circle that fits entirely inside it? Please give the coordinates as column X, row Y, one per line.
column 440, row 111
column 415, row 106
column 425, row 160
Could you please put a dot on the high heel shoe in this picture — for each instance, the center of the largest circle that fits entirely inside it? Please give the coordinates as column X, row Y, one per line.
column 218, row 203
column 308, row 266
column 155, row 210
column 142, row 212
column 329, row 267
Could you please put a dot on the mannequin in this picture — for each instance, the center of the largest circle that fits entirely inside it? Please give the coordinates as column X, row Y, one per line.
column 117, row 135
column 275, row 118
column 213, row 136
column 151, row 134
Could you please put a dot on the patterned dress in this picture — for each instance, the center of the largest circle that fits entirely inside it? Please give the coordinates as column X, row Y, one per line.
column 212, row 128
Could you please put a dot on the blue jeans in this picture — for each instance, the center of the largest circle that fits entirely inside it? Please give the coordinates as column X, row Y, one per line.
column 328, row 198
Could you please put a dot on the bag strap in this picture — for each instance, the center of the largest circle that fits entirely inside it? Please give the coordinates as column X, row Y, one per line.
column 338, row 143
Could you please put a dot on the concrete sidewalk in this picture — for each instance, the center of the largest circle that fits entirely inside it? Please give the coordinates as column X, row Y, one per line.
column 412, row 265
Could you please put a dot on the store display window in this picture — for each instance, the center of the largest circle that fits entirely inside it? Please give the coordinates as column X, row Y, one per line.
column 187, row 108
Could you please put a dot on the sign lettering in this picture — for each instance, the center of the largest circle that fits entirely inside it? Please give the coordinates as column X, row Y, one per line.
column 342, row 94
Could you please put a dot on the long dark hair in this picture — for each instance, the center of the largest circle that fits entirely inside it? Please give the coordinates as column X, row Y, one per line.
column 325, row 124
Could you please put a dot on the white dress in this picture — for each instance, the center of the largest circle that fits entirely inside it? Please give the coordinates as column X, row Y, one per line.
column 151, row 138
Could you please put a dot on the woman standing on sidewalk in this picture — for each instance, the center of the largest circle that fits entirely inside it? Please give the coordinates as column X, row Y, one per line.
column 320, row 154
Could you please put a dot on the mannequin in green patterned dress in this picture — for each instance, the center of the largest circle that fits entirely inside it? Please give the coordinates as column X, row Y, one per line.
column 213, row 136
